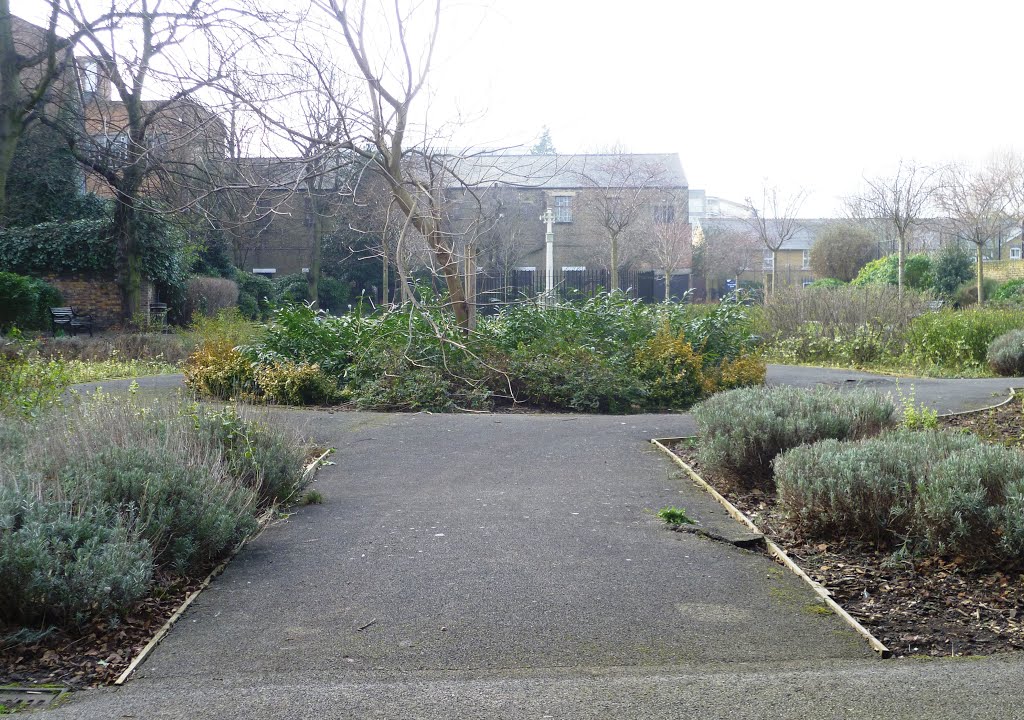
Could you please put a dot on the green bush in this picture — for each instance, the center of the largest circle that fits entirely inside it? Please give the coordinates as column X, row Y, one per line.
column 300, row 334
column 917, row 272
column 574, row 378
column 938, row 492
column 190, row 516
column 741, row 431
column 255, row 295
column 952, row 267
column 18, row 301
column 958, row 340
column 290, row 289
column 967, row 294
column 332, row 294
column 1006, row 354
column 30, row 384
column 62, row 566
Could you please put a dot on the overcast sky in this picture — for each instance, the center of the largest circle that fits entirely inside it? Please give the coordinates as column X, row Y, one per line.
column 811, row 94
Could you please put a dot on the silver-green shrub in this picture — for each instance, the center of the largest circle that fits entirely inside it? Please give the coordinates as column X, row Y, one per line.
column 741, row 431
column 62, row 566
column 937, row 491
column 1006, row 354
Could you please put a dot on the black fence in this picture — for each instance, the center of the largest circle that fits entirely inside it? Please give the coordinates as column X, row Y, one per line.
column 496, row 290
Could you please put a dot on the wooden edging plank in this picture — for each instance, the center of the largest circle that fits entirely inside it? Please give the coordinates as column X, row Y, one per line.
column 261, row 524
column 777, row 552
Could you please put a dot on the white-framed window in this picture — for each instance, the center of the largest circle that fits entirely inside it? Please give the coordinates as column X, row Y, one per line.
column 806, row 262
column 563, row 209
column 664, row 214
column 90, row 77
column 1015, row 253
column 769, row 261
column 265, row 272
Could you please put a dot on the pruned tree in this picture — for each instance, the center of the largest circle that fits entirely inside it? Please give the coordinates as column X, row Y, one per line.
column 617, row 196
column 977, row 204
column 773, row 220
column 378, row 126
column 841, row 249
column 899, row 201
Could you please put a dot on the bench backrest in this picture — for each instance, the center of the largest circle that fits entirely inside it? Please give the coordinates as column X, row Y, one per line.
column 62, row 312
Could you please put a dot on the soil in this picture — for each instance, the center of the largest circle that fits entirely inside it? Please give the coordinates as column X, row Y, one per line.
column 98, row 653
column 913, row 605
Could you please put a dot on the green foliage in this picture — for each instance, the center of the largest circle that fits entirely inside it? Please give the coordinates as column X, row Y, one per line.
column 65, row 566
column 332, row 294
column 263, row 457
column 967, row 294
column 30, row 384
column 289, row 383
column 917, row 417
column 300, row 334
column 255, row 295
column 312, row 497
column 952, row 267
column 938, row 492
column 1005, row 354
column 674, row 516
column 43, row 181
column 958, row 340
column 18, row 299
column 574, row 378
column 917, row 272
column 741, row 431
column 189, row 515
column 1011, row 292
column 291, row 289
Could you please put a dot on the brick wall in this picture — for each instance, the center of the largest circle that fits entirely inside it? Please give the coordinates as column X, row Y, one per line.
column 98, row 297
column 1003, row 270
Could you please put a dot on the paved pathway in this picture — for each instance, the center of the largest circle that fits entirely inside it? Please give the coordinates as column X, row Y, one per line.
column 488, row 566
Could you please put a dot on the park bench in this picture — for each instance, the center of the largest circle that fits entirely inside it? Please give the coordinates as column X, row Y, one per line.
column 935, row 305
column 65, row 318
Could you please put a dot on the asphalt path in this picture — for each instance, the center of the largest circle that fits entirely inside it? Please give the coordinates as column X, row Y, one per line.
column 510, row 565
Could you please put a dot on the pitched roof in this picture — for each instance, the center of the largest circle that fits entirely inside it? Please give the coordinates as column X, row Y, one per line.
column 806, row 229
column 556, row 172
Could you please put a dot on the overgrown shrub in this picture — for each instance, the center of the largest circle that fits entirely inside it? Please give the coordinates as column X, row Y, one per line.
column 65, row 566
column 18, row 300
column 574, row 378
column 741, row 431
column 30, row 385
column 958, row 339
column 209, row 296
column 967, row 294
column 672, row 371
column 217, row 369
column 1006, row 354
column 300, row 334
column 952, row 267
column 332, row 294
column 264, row 457
column 938, row 492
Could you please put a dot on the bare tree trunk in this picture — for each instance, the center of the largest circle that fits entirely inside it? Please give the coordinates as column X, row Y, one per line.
column 129, row 263
column 614, row 262
column 7, row 148
column 981, row 278
column 385, row 278
column 313, row 277
column 775, row 264
column 900, row 258
column 471, row 284
column 668, row 286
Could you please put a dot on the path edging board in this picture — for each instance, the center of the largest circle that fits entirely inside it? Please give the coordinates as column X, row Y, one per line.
column 775, row 551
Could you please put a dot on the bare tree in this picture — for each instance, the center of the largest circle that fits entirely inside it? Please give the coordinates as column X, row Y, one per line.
column 672, row 244
column 617, row 196
column 35, row 68
column 378, row 128
column 773, row 220
column 131, row 143
column 899, row 201
column 727, row 250
column 977, row 203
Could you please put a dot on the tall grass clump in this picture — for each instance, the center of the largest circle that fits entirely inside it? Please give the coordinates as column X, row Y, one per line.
column 742, row 431
column 935, row 492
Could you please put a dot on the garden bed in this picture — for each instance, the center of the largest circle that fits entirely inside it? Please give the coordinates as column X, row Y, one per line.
column 914, row 606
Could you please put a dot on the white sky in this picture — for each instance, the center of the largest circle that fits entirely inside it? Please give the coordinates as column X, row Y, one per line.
column 813, row 94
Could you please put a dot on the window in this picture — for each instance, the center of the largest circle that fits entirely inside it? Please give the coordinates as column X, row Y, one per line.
column 90, row 77
column 664, row 214
column 1015, row 253
column 110, row 148
column 563, row 209
column 769, row 261
column 806, row 260
column 265, row 272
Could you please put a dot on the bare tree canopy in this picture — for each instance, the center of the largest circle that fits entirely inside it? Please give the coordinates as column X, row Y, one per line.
column 977, row 203
column 727, row 250
column 899, row 201
column 773, row 219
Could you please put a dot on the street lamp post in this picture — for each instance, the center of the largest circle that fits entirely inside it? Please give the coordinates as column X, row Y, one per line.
column 549, row 260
